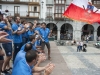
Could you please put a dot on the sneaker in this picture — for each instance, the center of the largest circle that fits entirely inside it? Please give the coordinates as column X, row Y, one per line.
column 5, row 72
column 9, row 69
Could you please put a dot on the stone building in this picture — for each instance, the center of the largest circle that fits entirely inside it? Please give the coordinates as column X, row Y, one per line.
column 50, row 11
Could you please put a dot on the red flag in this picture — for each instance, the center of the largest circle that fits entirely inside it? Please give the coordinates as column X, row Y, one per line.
column 76, row 11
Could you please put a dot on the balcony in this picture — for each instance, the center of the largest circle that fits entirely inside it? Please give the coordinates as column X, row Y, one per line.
column 96, row 3
column 49, row 15
column 58, row 16
column 35, row 2
column 23, row 14
column 49, row 2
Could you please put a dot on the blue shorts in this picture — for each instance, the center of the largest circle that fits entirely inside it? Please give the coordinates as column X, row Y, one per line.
column 8, row 48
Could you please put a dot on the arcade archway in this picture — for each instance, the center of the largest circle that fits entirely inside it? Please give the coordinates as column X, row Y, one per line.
column 66, row 32
column 87, row 30
column 53, row 27
column 98, row 31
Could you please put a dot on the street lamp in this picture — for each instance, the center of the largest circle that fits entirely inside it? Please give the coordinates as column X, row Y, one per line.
column 42, row 10
column 42, row 4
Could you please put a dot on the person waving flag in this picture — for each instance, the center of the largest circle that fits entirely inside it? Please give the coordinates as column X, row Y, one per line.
column 82, row 10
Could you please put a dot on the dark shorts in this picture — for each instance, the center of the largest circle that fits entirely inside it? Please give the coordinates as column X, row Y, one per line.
column 17, row 47
column 8, row 48
column 1, row 57
column 0, row 48
column 45, row 43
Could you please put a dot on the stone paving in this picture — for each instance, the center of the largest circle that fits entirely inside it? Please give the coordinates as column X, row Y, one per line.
column 61, row 68
column 81, row 63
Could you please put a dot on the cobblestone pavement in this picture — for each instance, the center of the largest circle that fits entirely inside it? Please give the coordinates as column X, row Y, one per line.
column 61, row 67
column 81, row 63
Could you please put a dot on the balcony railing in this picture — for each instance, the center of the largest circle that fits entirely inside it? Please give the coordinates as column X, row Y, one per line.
column 24, row 14
column 49, row 15
column 20, row 1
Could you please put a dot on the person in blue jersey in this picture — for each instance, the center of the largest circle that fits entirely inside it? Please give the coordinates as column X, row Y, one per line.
column 38, row 26
column 21, row 54
column 38, row 43
column 32, row 41
column 24, row 35
column 30, row 32
column 3, row 39
column 17, row 35
column 5, row 26
column 1, row 59
column 45, row 32
column 23, row 67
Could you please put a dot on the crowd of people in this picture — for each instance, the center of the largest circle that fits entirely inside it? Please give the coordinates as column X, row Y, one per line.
column 66, row 36
column 87, row 38
column 24, row 42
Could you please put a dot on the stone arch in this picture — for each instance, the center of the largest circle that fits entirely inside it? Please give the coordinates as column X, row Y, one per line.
column 54, row 28
column 66, row 32
column 98, row 31
column 87, row 29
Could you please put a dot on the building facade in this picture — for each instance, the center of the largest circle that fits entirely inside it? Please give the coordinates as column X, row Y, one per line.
column 55, row 9
column 23, row 8
column 50, row 11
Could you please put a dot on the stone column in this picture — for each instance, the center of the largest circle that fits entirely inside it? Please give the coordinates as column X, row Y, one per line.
column 77, row 26
column 95, row 35
column 77, row 35
column 73, row 34
column 58, row 34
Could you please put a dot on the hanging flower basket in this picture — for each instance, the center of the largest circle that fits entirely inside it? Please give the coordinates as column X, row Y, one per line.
column 6, row 10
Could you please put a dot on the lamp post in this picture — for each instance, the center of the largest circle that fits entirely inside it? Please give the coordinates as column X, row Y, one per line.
column 42, row 10
column 49, row 13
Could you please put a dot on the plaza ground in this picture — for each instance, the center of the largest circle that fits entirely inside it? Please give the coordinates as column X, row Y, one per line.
column 70, row 62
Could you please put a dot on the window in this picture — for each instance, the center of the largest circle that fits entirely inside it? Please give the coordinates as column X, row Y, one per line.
column 0, row 6
column 56, row 1
column 56, row 15
column 60, row 1
column 60, row 15
column 35, row 9
column 63, row 1
column 63, row 9
column 17, row 10
column 96, row 2
column 49, row 9
column 57, row 9
column 68, row 1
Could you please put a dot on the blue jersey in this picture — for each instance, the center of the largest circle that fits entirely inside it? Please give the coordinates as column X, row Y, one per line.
column 17, row 38
column 44, row 33
column 29, row 33
column 37, row 28
column 24, row 34
column 37, row 43
column 2, row 27
column 90, row 7
column 20, row 55
column 22, row 68
column 33, row 46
